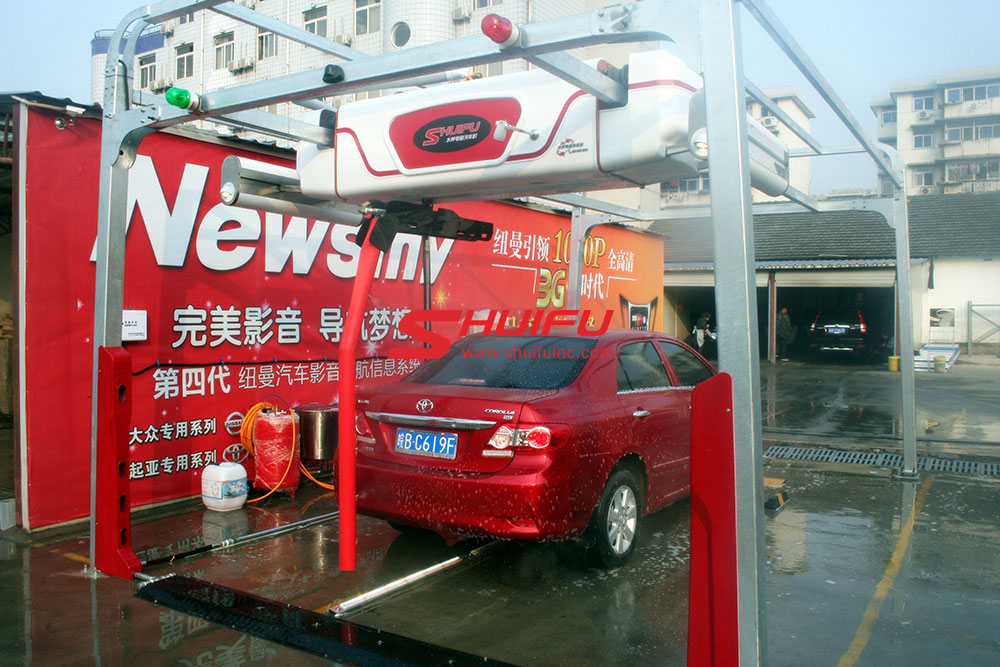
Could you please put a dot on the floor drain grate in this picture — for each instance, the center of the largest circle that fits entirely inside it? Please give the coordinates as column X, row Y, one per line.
column 928, row 463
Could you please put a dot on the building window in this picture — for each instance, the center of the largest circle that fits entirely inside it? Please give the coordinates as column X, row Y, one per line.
column 888, row 117
column 983, row 170
column 923, row 140
column 885, row 187
column 267, row 44
column 972, row 93
column 687, row 185
column 400, row 34
column 923, row 103
column 921, row 178
column 185, row 60
column 765, row 112
column 186, row 18
column 367, row 16
column 147, row 70
column 972, row 131
column 315, row 21
column 225, row 50
column 482, row 4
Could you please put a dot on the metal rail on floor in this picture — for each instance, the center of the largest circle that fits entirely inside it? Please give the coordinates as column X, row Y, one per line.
column 364, row 600
column 225, row 544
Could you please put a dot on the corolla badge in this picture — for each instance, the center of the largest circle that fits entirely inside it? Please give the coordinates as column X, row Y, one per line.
column 425, row 405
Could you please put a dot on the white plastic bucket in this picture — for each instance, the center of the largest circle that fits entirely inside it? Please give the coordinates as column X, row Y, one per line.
column 224, row 486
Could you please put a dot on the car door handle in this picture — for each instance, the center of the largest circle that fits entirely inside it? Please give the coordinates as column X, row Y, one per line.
column 639, row 414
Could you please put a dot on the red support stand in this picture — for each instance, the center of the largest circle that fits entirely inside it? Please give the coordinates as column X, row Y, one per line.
column 113, row 523
column 713, row 609
column 347, row 437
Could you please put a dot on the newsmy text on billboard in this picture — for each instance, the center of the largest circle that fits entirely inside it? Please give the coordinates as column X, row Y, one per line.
column 241, row 304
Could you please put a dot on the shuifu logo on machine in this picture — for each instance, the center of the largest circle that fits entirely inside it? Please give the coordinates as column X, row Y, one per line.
column 425, row 405
column 451, row 133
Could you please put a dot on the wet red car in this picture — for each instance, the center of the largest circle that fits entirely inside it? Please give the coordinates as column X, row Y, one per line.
column 533, row 438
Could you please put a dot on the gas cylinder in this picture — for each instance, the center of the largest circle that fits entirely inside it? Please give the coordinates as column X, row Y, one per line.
column 224, row 486
column 273, row 444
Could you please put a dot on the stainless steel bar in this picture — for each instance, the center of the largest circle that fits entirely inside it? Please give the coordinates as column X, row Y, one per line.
column 908, row 405
column 736, row 303
column 767, row 19
column 368, row 598
column 779, row 113
column 583, row 76
column 278, row 27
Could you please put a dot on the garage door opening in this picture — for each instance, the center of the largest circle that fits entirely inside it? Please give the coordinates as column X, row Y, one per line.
column 805, row 304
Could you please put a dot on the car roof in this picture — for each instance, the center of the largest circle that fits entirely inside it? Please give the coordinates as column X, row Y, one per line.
column 610, row 336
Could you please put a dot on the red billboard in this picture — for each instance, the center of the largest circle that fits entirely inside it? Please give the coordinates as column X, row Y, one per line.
column 240, row 304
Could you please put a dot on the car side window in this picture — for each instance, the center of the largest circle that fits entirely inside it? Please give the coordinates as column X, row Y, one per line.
column 641, row 367
column 689, row 370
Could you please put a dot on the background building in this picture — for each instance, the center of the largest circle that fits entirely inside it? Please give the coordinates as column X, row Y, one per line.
column 947, row 131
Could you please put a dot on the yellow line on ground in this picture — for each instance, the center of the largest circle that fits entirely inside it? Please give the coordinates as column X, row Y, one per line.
column 864, row 632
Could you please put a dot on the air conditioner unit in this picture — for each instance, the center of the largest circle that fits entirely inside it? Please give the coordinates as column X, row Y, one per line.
column 343, row 38
column 923, row 115
column 239, row 65
column 461, row 13
column 925, row 191
column 160, row 84
column 252, row 4
column 167, row 28
column 770, row 122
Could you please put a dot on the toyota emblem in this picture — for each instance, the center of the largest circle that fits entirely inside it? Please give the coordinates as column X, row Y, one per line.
column 425, row 405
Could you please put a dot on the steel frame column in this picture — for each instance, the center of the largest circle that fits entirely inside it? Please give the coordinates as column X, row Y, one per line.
column 908, row 404
column 772, row 316
column 736, row 302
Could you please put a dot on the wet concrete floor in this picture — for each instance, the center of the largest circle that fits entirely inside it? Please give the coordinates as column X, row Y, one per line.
column 841, row 402
column 851, row 579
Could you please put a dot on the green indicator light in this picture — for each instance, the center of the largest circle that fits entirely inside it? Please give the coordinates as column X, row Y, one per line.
column 179, row 97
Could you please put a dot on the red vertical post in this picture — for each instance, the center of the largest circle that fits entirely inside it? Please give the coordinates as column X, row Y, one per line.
column 713, row 607
column 347, row 438
column 113, row 522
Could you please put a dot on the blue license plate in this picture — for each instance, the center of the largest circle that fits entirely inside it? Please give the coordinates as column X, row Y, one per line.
column 835, row 330
column 424, row 443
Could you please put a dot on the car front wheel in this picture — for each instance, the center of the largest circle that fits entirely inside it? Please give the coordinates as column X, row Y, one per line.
column 615, row 524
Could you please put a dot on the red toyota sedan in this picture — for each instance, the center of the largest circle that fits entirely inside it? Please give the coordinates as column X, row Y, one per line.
column 533, row 438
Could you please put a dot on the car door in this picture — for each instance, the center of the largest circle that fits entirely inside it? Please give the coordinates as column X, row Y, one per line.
column 653, row 411
column 687, row 371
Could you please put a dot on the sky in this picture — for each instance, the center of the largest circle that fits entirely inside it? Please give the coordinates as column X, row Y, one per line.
column 860, row 46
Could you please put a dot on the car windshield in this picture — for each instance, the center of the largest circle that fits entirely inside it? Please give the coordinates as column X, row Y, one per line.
column 516, row 362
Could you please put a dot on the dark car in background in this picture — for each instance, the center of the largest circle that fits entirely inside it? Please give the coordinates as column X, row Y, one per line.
column 533, row 438
column 845, row 331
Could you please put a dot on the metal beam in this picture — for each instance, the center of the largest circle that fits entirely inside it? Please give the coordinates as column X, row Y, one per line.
column 583, row 76
column 736, row 303
column 312, row 40
column 604, row 26
column 785, row 119
column 767, row 19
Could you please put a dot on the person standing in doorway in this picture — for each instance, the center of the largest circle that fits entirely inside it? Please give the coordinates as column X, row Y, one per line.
column 783, row 329
column 701, row 331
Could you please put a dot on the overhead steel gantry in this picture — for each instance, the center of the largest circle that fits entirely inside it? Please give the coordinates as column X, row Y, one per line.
column 707, row 35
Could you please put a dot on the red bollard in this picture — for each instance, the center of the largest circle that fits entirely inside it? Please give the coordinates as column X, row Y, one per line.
column 113, row 522
column 347, row 437
column 713, row 607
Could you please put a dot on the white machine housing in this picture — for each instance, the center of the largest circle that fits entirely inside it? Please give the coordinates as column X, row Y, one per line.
column 529, row 132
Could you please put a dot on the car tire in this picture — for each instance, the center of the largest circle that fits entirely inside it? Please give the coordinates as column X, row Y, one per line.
column 614, row 526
